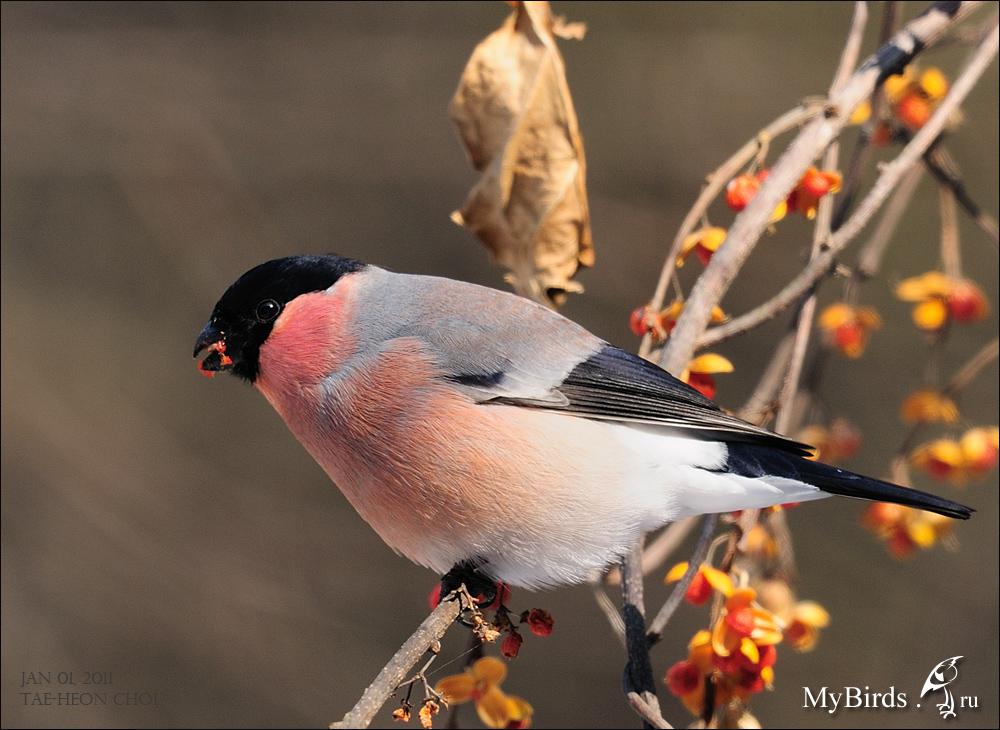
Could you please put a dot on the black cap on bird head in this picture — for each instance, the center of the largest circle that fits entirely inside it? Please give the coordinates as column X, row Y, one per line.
column 244, row 316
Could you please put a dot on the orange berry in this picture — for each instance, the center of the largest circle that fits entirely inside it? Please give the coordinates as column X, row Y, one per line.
column 815, row 183
column 741, row 190
column 881, row 515
column 913, row 110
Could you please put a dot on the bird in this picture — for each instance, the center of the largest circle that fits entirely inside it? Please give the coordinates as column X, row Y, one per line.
column 489, row 438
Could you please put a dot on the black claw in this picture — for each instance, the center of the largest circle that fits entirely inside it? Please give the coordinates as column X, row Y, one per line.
column 481, row 587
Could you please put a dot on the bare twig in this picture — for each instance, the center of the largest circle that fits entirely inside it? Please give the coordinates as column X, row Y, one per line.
column 648, row 712
column 760, row 405
column 852, row 47
column 714, row 184
column 778, row 524
column 945, row 170
column 610, row 611
column 967, row 373
column 821, row 232
column 638, row 675
column 663, row 616
column 810, row 142
column 392, row 675
column 870, row 256
column 891, row 12
column 822, row 264
column 951, row 250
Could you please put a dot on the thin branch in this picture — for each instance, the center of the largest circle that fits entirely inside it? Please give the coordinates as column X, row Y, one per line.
column 714, row 184
column 821, row 232
column 944, row 168
column 852, row 46
column 822, row 264
column 891, row 12
column 610, row 612
column 659, row 622
column 778, row 523
column 638, row 674
column 870, row 257
column 968, row 372
column 648, row 712
column 392, row 675
column 810, row 142
column 761, row 403
column 951, row 249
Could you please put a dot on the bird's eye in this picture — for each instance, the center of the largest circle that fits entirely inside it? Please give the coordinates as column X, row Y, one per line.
column 267, row 310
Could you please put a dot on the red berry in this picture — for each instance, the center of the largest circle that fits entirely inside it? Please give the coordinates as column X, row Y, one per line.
column 699, row 591
column 845, row 438
column 751, row 682
column 501, row 596
column 900, row 544
column 795, row 632
column 540, row 622
column 728, row 664
column 511, row 644
column 434, row 597
column 704, row 255
column 768, row 656
column 703, row 383
column 683, row 678
column 966, row 302
column 639, row 322
column 815, row 183
column 848, row 335
column 740, row 621
column 741, row 190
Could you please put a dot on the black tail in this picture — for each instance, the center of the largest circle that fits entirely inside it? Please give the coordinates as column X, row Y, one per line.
column 755, row 461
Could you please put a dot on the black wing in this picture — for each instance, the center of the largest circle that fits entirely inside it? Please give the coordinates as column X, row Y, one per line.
column 616, row 385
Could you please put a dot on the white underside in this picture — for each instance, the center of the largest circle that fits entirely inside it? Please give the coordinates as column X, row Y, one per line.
column 661, row 477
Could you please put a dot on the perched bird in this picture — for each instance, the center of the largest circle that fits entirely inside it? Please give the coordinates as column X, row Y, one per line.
column 475, row 430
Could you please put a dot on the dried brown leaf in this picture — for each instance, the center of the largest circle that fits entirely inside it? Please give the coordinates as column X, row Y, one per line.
column 514, row 113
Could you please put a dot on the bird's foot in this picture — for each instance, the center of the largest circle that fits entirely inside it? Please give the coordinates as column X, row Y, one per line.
column 483, row 589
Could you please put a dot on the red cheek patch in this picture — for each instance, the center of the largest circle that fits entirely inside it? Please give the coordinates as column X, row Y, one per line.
column 309, row 341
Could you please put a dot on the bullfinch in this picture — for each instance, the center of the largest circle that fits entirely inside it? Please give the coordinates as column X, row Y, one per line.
column 475, row 430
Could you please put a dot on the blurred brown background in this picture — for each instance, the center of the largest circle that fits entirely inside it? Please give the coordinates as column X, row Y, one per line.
column 170, row 531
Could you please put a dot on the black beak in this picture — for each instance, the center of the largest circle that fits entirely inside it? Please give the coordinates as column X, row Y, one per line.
column 208, row 337
column 212, row 339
